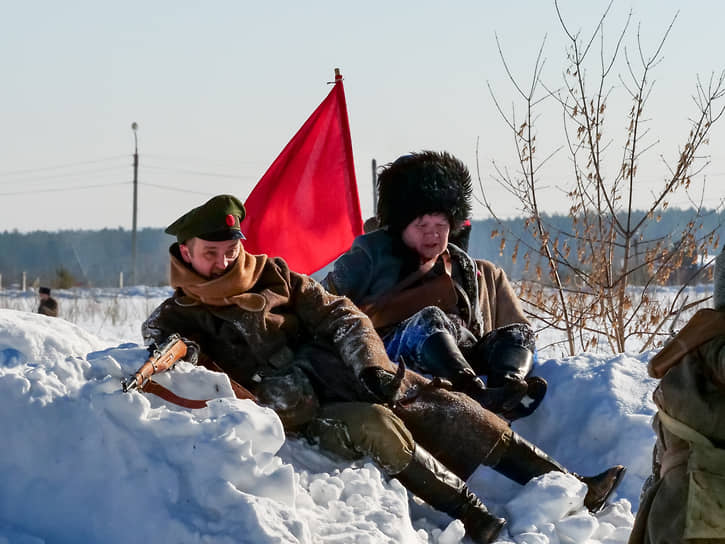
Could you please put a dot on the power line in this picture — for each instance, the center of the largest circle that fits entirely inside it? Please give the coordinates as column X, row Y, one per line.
column 198, row 172
column 177, row 158
column 36, row 190
column 62, row 189
column 41, row 179
column 176, row 189
column 59, row 166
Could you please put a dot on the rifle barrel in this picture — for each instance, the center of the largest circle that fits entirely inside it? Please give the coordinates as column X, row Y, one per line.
column 162, row 359
column 129, row 383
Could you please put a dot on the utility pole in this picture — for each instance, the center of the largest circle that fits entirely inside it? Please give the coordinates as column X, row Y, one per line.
column 134, row 128
column 375, row 186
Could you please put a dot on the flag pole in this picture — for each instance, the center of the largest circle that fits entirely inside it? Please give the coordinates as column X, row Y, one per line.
column 345, row 121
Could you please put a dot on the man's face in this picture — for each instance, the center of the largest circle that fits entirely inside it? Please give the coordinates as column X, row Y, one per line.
column 428, row 235
column 210, row 259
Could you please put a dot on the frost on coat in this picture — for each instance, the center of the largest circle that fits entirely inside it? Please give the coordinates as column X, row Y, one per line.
column 249, row 344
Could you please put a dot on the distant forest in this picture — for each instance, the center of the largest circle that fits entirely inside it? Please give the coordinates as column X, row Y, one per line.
column 96, row 258
column 90, row 258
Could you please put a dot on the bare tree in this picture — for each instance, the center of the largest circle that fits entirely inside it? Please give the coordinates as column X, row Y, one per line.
column 595, row 278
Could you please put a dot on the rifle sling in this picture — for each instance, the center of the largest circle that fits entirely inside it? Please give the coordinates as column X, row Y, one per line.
column 159, row 390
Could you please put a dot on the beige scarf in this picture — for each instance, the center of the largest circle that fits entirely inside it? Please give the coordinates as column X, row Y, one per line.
column 226, row 290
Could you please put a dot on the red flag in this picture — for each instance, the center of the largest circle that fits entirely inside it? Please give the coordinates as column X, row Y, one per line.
column 305, row 208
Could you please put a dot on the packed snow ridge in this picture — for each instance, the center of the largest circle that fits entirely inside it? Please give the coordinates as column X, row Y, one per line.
column 84, row 462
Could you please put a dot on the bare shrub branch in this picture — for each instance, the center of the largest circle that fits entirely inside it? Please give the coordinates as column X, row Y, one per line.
column 596, row 278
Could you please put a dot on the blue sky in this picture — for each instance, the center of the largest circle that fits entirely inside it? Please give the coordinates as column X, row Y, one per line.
column 218, row 89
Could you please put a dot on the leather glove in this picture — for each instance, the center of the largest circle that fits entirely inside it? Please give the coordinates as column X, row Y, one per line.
column 467, row 381
column 383, row 385
column 192, row 351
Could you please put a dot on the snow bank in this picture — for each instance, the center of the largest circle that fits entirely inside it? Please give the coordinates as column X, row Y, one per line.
column 84, row 462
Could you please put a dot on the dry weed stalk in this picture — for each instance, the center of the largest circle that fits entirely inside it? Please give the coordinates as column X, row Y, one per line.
column 594, row 278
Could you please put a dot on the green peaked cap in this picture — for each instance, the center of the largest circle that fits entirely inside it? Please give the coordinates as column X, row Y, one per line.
column 216, row 220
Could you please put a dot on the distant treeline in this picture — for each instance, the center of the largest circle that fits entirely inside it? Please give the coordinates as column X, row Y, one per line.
column 95, row 258
column 667, row 228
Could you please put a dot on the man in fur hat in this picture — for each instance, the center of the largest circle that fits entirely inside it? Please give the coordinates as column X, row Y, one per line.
column 443, row 312
column 48, row 305
column 315, row 359
column 685, row 498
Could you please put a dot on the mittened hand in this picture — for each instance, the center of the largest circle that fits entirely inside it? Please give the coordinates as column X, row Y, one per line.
column 383, row 385
column 192, row 351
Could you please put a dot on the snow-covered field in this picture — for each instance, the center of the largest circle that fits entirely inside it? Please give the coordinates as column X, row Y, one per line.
column 83, row 462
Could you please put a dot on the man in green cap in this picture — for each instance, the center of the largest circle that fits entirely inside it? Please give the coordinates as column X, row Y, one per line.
column 213, row 233
column 316, row 359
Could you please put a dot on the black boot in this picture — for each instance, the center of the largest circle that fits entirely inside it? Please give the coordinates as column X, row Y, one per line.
column 505, row 355
column 508, row 362
column 428, row 479
column 601, row 486
column 522, row 461
column 509, row 365
column 441, row 357
column 499, row 400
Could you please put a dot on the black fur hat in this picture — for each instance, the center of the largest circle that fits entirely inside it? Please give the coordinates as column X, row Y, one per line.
column 423, row 183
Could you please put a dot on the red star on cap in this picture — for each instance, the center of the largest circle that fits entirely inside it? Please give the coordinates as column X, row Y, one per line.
column 230, row 220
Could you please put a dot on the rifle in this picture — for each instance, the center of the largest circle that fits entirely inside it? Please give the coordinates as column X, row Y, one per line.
column 163, row 358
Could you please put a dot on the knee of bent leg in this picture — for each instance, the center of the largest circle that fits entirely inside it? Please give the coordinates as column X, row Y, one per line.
column 383, row 436
column 434, row 317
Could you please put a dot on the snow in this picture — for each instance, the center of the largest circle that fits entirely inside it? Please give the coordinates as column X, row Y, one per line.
column 84, row 462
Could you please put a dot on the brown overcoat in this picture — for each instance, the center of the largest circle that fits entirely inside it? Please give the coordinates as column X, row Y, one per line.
column 256, row 332
column 48, row 307
column 372, row 267
column 287, row 320
column 497, row 299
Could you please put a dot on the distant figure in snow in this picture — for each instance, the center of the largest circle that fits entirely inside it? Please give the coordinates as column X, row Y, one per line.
column 48, row 305
column 447, row 314
column 316, row 360
column 684, row 499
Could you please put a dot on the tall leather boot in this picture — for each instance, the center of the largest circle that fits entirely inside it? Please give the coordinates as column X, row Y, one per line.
column 508, row 363
column 521, row 461
column 441, row 357
column 428, row 479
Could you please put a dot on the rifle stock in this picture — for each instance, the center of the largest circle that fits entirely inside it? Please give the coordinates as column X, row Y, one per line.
column 162, row 359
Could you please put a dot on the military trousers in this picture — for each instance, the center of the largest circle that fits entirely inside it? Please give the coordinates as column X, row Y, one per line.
column 354, row 430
